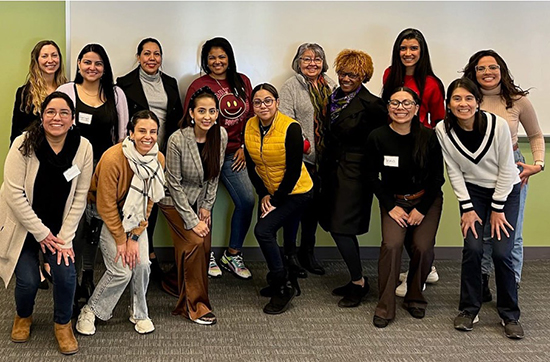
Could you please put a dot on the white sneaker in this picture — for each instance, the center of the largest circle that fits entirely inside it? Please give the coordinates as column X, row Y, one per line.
column 142, row 326
column 401, row 290
column 214, row 270
column 86, row 321
column 403, row 276
column 433, row 277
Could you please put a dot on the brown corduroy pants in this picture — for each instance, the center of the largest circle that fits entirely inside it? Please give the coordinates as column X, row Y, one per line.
column 422, row 254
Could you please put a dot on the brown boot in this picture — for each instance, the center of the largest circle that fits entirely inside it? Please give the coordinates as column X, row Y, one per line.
column 21, row 330
column 65, row 338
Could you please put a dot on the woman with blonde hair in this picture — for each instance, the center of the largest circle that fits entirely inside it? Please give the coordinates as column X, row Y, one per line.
column 352, row 114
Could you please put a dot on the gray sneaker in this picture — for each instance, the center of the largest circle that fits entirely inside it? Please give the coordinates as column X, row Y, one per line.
column 513, row 329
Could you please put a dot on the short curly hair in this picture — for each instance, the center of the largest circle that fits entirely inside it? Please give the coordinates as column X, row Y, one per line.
column 355, row 61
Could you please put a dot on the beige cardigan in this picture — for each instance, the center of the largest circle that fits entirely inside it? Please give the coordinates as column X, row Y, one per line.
column 16, row 214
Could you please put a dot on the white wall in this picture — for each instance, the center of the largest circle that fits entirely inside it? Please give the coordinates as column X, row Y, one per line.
column 265, row 35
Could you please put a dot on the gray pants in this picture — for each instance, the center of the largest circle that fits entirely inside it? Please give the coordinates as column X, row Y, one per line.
column 116, row 278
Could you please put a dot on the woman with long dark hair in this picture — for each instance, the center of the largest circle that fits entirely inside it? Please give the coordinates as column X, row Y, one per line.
column 405, row 170
column 483, row 174
column 46, row 179
column 411, row 67
column 233, row 90
column 101, row 116
column 194, row 158
column 148, row 87
column 503, row 97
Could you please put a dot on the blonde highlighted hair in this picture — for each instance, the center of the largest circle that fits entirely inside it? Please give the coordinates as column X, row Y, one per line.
column 355, row 61
column 36, row 89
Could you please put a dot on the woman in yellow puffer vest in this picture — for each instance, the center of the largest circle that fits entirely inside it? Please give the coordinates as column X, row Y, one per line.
column 273, row 150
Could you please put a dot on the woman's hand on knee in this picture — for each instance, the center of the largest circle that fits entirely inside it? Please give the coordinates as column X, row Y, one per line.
column 399, row 215
column 206, row 216
column 468, row 221
column 498, row 223
column 201, row 229
column 415, row 217
column 132, row 253
column 266, row 206
column 66, row 255
column 52, row 243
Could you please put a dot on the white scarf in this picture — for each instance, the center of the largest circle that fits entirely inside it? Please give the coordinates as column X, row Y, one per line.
column 147, row 183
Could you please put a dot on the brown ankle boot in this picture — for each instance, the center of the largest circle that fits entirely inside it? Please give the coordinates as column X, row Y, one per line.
column 21, row 330
column 65, row 338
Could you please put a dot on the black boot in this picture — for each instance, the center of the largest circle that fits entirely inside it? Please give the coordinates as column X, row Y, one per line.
column 87, row 286
column 487, row 296
column 283, row 293
column 354, row 295
column 308, row 260
column 291, row 263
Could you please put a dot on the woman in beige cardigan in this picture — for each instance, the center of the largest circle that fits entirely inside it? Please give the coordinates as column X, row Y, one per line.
column 49, row 163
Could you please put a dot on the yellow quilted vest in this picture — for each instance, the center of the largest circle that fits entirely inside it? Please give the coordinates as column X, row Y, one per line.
column 270, row 155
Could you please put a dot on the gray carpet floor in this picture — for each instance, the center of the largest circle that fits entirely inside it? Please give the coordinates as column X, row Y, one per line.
column 313, row 329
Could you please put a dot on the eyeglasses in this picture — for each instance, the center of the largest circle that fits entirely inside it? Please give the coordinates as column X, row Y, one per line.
column 351, row 76
column 309, row 60
column 483, row 69
column 407, row 104
column 257, row 103
column 64, row 113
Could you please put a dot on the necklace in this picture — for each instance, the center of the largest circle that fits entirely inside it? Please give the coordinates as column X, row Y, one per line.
column 263, row 129
column 89, row 95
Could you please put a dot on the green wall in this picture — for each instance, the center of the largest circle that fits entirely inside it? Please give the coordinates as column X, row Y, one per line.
column 30, row 22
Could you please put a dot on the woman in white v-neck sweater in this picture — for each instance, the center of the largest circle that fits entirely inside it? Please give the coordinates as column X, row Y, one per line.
column 483, row 174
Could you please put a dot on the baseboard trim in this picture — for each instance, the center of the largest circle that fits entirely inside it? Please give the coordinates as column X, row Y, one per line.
column 166, row 254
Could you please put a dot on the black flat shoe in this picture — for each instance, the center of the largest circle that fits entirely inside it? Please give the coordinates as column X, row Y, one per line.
column 310, row 263
column 417, row 313
column 380, row 322
column 46, row 275
column 343, row 290
column 44, row 285
column 355, row 295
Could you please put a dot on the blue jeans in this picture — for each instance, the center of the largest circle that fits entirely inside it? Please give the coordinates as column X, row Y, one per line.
column 113, row 283
column 287, row 214
column 28, row 278
column 242, row 193
column 517, row 252
column 470, row 277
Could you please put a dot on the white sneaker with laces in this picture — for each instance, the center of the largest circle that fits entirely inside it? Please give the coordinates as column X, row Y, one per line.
column 401, row 290
column 214, row 270
column 235, row 265
column 142, row 326
column 86, row 321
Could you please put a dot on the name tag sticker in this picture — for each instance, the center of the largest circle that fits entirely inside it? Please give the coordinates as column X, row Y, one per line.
column 71, row 173
column 85, row 118
column 391, row 161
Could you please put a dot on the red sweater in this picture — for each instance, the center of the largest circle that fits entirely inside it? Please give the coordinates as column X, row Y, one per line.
column 234, row 112
column 432, row 100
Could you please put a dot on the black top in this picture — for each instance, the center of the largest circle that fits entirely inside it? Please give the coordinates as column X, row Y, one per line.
column 101, row 127
column 391, row 155
column 471, row 139
column 132, row 87
column 294, row 145
column 20, row 119
column 51, row 188
column 200, row 146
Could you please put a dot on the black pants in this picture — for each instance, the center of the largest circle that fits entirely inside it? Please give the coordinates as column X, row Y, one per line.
column 348, row 245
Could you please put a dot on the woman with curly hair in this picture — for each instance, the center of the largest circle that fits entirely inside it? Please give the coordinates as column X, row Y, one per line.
column 352, row 114
column 504, row 98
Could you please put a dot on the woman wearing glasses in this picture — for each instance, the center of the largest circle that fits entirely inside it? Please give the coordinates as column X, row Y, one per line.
column 346, row 198
column 408, row 159
column 273, row 152
column 46, row 179
column 505, row 99
column 304, row 97
column 233, row 90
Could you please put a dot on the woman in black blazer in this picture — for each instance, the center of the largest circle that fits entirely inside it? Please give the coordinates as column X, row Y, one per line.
column 353, row 112
column 146, row 87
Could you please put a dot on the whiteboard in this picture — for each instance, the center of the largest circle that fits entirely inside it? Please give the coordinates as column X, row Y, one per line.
column 265, row 36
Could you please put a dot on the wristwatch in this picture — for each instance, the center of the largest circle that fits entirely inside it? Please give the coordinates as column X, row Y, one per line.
column 134, row 237
column 540, row 163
